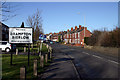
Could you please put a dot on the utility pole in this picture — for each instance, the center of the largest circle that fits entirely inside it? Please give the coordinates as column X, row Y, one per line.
column 84, row 26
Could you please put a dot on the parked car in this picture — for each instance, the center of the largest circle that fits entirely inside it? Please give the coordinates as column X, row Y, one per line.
column 5, row 46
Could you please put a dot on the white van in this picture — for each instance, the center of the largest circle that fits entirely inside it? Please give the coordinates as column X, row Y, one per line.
column 5, row 46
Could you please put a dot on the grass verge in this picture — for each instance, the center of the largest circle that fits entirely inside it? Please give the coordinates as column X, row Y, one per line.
column 18, row 61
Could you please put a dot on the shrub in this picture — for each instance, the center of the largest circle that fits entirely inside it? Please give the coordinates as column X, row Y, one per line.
column 104, row 38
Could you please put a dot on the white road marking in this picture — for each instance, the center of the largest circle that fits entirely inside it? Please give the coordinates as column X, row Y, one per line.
column 101, row 58
column 86, row 53
column 97, row 57
column 72, row 49
column 71, row 57
column 113, row 61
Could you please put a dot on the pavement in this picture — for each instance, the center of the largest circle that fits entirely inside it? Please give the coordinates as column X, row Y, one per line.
column 61, row 68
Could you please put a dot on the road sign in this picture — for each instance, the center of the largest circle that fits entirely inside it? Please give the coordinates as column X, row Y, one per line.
column 40, row 37
column 44, row 38
column 20, row 35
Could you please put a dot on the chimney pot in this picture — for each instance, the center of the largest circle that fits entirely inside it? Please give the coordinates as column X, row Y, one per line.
column 71, row 28
column 68, row 30
column 79, row 27
column 75, row 27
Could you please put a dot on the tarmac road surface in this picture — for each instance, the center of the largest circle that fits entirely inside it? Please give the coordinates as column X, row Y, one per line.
column 90, row 64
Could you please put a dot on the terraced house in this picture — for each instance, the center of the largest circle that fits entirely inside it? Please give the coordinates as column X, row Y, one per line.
column 73, row 36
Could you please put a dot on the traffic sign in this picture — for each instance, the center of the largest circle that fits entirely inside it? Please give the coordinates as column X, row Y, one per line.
column 40, row 37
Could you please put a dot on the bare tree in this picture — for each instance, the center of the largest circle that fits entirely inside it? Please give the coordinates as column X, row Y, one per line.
column 35, row 21
column 6, row 11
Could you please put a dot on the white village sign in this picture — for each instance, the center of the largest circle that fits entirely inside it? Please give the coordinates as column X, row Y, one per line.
column 20, row 35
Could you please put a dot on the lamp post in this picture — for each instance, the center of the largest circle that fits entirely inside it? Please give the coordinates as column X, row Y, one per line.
column 84, row 26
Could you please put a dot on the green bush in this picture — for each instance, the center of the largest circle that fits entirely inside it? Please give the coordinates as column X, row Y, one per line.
column 86, row 40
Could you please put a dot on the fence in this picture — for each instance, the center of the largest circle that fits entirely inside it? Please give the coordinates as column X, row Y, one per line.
column 43, row 57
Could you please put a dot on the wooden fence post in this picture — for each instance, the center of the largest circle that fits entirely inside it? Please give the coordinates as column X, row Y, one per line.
column 42, row 61
column 24, row 49
column 23, row 73
column 35, row 68
column 16, row 51
column 47, row 46
column 38, row 49
column 46, row 57
column 32, row 45
column 50, row 55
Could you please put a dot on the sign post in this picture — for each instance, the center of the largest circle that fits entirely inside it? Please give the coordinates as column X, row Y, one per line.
column 21, row 35
column 41, row 38
column 28, row 54
column 11, row 58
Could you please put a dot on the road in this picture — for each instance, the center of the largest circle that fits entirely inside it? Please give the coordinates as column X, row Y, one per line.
column 90, row 64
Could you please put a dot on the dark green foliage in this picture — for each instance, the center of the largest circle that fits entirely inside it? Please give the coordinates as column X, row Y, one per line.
column 59, row 39
column 86, row 40
column 94, row 38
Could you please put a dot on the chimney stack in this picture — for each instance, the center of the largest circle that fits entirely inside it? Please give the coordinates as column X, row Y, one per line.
column 79, row 27
column 71, row 28
column 68, row 30
column 85, row 28
column 75, row 27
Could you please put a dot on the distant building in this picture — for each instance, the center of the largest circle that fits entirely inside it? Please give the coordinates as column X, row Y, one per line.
column 0, row 32
column 54, row 37
column 4, row 31
column 48, row 36
column 73, row 36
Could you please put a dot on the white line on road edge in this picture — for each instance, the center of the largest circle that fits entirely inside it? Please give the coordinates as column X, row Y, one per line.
column 113, row 62
column 71, row 57
column 86, row 53
column 74, row 67
column 72, row 49
column 108, row 60
column 97, row 57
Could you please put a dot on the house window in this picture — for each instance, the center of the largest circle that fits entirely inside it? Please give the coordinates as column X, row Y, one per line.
column 78, row 34
column 70, row 35
column 67, row 35
column 70, row 40
column 78, row 41
column 75, row 35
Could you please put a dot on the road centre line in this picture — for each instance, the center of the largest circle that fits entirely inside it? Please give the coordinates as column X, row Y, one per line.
column 113, row 61
column 86, row 53
column 97, row 57
column 102, row 58
column 107, row 60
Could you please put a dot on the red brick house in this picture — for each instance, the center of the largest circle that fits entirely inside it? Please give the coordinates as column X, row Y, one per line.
column 76, row 36
column 73, row 36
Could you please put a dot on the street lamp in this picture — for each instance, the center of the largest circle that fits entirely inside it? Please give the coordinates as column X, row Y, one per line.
column 84, row 26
